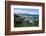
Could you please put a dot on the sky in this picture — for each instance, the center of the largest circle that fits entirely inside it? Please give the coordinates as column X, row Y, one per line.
column 26, row 11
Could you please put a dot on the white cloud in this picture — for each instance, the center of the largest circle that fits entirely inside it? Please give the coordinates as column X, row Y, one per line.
column 25, row 12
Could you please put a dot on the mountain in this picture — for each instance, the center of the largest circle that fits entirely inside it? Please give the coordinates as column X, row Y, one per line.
column 27, row 14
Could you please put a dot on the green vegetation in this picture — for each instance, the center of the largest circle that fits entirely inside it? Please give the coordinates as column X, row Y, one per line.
column 25, row 21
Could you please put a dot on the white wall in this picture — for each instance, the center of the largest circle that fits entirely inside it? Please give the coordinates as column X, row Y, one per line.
column 2, row 23
column 2, row 18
